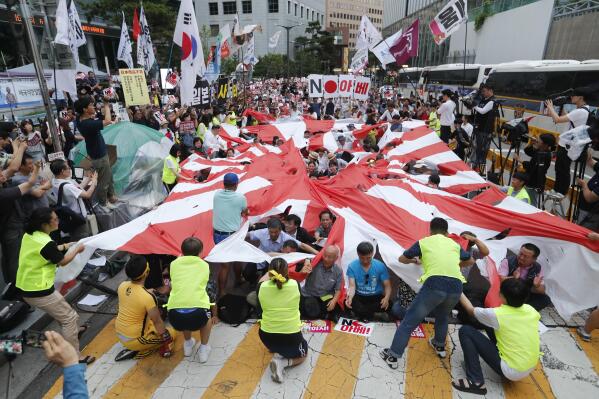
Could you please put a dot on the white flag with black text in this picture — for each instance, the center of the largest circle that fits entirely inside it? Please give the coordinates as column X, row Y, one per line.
column 68, row 28
column 145, row 49
column 125, row 49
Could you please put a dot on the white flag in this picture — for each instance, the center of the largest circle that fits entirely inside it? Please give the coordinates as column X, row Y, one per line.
column 381, row 50
column 359, row 61
column 68, row 28
column 187, row 37
column 368, row 35
column 236, row 28
column 224, row 33
column 145, row 49
column 449, row 20
column 124, row 51
column 250, row 57
column 274, row 40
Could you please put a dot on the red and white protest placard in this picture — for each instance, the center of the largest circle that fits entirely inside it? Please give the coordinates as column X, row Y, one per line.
column 417, row 333
column 315, row 86
column 361, row 88
column 346, row 85
column 317, row 326
column 354, row 327
column 330, row 85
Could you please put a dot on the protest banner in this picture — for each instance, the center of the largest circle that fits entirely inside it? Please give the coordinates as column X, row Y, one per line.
column 354, row 327
column 135, row 88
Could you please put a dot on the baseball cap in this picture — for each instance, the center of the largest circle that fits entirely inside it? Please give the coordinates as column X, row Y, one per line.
column 231, row 179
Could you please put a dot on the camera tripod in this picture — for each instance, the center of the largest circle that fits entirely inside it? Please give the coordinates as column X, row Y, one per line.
column 575, row 190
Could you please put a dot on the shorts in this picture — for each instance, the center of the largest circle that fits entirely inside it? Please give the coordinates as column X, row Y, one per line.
column 290, row 346
column 188, row 319
column 219, row 236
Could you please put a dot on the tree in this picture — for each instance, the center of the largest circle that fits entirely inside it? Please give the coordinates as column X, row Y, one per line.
column 315, row 52
column 228, row 65
column 205, row 32
column 271, row 66
column 161, row 16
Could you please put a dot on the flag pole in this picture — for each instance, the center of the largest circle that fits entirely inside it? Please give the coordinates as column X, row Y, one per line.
column 402, row 68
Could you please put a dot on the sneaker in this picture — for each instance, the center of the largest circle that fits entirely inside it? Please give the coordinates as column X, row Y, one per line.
column 438, row 348
column 204, row 353
column 389, row 359
column 125, row 354
column 583, row 334
column 277, row 367
column 188, row 347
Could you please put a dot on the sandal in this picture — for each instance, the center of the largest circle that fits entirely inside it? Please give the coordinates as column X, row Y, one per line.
column 470, row 388
column 87, row 360
column 82, row 329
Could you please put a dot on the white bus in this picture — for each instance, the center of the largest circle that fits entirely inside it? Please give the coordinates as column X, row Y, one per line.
column 528, row 83
column 455, row 77
column 407, row 81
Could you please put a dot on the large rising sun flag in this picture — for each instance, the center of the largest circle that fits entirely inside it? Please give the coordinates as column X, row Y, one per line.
column 376, row 200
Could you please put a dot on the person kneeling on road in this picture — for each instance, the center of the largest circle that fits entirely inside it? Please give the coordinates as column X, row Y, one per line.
column 322, row 288
column 188, row 304
column 369, row 284
column 140, row 336
column 513, row 351
column 280, row 326
column 441, row 259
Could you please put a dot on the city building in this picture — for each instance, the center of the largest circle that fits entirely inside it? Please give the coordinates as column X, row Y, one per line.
column 269, row 14
column 348, row 13
column 102, row 39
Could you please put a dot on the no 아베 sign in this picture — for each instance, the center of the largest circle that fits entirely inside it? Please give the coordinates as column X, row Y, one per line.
column 354, row 327
column 330, row 86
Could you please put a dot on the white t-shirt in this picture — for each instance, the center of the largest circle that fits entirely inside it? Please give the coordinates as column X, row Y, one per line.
column 487, row 317
column 446, row 111
column 578, row 117
column 387, row 116
column 468, row 128
column 71, row 195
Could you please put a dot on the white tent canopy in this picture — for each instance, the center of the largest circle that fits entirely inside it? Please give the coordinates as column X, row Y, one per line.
column 29, row 68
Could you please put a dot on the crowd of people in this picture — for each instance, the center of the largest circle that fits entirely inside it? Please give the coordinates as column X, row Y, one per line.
column 43, row 213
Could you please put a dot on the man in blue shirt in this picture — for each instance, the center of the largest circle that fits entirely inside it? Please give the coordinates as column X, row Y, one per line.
column 369, row 284
column 228, row 208
column 60, row 352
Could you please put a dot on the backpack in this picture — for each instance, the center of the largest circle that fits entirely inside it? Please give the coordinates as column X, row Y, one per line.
column 592, row 118
column 233, row 309
column 69, row 220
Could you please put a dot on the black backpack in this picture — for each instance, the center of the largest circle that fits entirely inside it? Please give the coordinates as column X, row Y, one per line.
column 68, row 220
column 233, row 309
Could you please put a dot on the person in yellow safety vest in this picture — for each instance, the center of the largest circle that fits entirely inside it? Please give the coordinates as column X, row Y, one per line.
column 38, row 259
column 171, row 170
column 441, row 259
column 518, row 189
column 139, row 326
column 433, row 121
column 189, row 307
column 514, row 350
column 231, row 118
column 280, row 326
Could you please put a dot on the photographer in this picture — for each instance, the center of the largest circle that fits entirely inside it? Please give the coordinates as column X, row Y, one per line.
column 539, row 151
column 575, row 118
column 588, row 202
column 460, row 139
column 484, row 120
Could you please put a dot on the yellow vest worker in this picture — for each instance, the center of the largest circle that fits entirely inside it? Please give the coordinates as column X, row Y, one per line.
column 518, row 336
column 280, row 326
column 170, row 163
column 434, row 122
column 35, row 273
column 440, row 257
column 521, row 195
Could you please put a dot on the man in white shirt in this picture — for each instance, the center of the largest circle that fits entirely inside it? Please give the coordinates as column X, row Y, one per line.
column 388, row 114
column 73, row 194
column 467, row 126
column 575, row 118
column 446, row 115
column 213, row 143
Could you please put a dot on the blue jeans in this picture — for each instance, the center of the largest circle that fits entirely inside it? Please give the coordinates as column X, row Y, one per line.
column 437, row 297
column 475, row 344
column 220, row 236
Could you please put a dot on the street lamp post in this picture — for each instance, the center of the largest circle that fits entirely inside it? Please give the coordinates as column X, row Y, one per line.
column 288, row 28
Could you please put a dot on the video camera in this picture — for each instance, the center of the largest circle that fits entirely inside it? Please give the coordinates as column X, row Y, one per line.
column 517, row 130
column 473, row 99
column 563, row 98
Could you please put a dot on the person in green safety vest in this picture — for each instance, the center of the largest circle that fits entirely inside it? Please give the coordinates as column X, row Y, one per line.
column 441, row 259
column 171, row 170
column 518, row 189
column 433, row 120
column 513, row 347
column 189, row 307
column 280, row 326
column 38, row 259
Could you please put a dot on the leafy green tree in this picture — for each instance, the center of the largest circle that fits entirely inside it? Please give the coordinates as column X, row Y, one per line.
column 161, row 16
column 271, row 66
column 315, row 52
column 228, row 65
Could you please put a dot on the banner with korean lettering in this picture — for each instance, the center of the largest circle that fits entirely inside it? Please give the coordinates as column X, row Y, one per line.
column 135, row 87
column 20, row 91
column 333, row 86
column 361, row 88
column 346, row 86
column 448, row 20
column 201, row 94
column 222, row 90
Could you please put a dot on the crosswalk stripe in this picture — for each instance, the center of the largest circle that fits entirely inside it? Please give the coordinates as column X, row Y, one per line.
column 427, row 376
column 101, row 344
column 591, row 349
column 375, row 378
column 141, row 380
column 569, row 371
column 535, row 385
column 334, row 375
column 190, row 379
column 296, row 378
column 492, row 380
column 243, row 370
